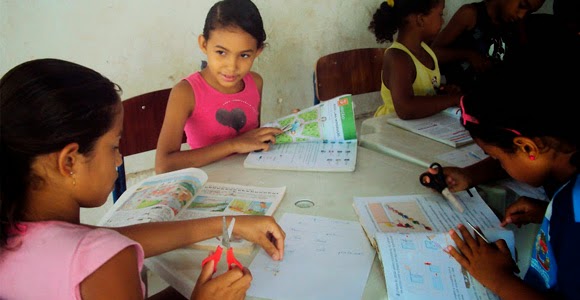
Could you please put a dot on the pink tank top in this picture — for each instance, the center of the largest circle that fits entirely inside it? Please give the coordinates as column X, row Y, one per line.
column 217, row 116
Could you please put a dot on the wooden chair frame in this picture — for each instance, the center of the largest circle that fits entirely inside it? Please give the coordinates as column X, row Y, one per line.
column 143, row 119
column 356, row 71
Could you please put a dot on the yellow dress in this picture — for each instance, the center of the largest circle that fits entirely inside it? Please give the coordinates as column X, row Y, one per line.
column 426, row 81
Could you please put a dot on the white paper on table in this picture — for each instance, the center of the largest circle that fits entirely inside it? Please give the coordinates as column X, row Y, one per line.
column 324, row 258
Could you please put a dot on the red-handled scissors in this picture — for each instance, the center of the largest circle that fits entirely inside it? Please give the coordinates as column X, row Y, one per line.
column 217, row 255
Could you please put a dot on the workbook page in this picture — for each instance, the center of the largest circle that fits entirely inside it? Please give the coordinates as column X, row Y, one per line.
column 417, row 267
column 310, row 156
column 422, row 213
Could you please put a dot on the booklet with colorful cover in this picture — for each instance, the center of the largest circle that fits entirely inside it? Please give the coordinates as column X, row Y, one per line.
column 186, row 194
column 319, row 138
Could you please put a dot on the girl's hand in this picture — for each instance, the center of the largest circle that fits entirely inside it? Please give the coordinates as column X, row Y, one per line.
column 264, row 231
column 457, row 179
column 255, row 140
column 491, row 264
column 233, row 284
column 524, row 211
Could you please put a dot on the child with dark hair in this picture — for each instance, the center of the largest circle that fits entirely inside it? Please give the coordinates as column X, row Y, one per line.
column 479, row 36
column 536, row 144
column 410, row 74
column 219, row 106
column 60, row 129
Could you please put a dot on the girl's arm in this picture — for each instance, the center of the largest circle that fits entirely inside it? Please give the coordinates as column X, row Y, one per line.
column 169, row 156
column 160, row 237
column 259, row 84
column 399, row 72
column 119, row 275
column 487, row 170
column 464, row 19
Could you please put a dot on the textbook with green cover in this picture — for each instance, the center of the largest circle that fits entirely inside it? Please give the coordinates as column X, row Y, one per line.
column 319, row 138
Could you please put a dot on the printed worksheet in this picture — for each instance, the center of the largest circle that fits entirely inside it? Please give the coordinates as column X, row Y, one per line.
column 417, row 267
column 324, row 258
column 336, row 156
column 443, row 127
column 422, row 213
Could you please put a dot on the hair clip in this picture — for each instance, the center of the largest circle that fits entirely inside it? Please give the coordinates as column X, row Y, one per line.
column 391, row 3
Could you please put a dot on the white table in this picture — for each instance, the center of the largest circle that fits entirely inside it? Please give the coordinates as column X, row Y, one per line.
column 378, row 135
column 331, row 193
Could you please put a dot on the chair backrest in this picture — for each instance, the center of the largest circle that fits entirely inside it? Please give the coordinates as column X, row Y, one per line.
column 142, row 122
column 356, row 71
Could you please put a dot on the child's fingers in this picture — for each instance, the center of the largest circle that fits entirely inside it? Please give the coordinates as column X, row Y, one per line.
column 503, row 247
column 467, row 237
column 241, row 283
column 461, row 245
column 206, row 273
column 462, row 260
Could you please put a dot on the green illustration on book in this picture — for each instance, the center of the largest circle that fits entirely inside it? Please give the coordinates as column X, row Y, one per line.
column 331, row 120
column 319, row 138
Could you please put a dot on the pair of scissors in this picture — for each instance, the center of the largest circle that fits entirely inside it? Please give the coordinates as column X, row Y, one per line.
column 225, row 243
column 437, row 182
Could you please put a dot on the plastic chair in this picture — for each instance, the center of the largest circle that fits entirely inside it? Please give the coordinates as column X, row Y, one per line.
column 143, row 119
column 356, row 71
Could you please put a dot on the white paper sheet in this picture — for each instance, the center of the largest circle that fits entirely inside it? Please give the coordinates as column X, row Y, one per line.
column 324, row 259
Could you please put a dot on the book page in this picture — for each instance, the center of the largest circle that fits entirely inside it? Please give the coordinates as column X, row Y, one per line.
column 443, row 127
column 221, row 199
column 417, row 267
column 312, row 156
column 324, row 258
column 154, row 199
column 422, row 213
column 463, row 156
column 331, row 120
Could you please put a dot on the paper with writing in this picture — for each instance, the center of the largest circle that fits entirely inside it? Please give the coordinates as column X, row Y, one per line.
column 324, row 259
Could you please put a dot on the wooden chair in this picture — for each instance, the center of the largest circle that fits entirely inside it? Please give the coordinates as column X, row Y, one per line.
column 143, row 119
column 356, row 71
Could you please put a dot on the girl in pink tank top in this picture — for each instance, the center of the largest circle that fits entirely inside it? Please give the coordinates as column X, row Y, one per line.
column 218, row 107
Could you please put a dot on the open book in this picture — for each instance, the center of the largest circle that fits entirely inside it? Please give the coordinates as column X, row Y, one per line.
column 411, row 232
column 186, row 194
column 319, row 138
column 443, row 127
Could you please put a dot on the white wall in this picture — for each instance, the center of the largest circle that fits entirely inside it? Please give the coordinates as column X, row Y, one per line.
column 145, row 45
